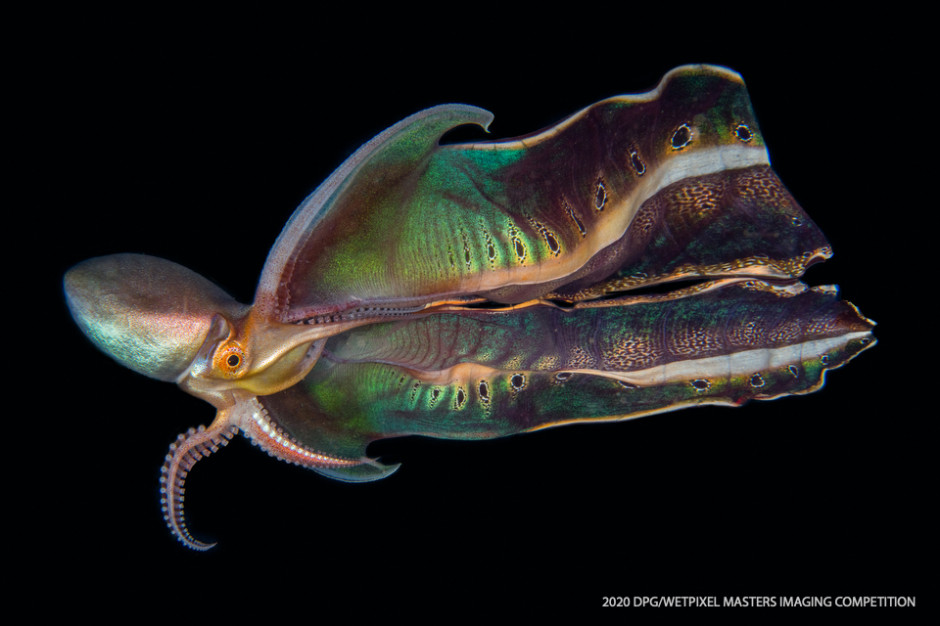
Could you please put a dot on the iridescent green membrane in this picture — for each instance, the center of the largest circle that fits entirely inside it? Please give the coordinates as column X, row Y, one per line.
column 381, row 308
column 544, row 365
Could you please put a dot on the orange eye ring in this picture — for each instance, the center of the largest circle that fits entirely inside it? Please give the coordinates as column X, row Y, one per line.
column 230, row 359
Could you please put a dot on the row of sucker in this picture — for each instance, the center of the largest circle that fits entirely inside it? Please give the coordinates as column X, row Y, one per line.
column 188, row 448
column 360, row 313
column 267, row 435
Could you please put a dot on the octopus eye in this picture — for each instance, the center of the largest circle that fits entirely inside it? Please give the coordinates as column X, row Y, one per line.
column 230, row 359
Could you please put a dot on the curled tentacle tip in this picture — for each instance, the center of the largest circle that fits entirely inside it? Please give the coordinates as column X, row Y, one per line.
column 195, row 544
column 184, row 453
column 178, row 529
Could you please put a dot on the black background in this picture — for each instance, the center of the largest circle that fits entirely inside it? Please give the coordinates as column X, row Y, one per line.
column 195, row 140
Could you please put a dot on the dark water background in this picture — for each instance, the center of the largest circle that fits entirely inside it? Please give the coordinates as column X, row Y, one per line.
column 196, row 142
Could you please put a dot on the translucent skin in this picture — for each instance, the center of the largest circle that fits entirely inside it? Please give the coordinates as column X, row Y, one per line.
column 382, row 308
column 149, row 314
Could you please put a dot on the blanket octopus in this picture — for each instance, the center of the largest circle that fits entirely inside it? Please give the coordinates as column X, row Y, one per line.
column 484, row 289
